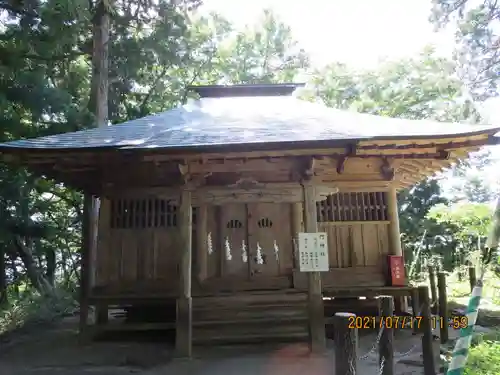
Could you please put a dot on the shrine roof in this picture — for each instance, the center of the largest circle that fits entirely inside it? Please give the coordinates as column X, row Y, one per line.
column 248, row 115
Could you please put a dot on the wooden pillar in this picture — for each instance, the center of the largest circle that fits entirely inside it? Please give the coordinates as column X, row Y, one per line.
column 394, row 234
column 85, row 264
column 317, row 334
column 297, row 227
column 183, row 334
column 201, row 233
column 395, row 247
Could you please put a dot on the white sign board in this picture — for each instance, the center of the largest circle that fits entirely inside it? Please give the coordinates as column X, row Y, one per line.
column 313, row 252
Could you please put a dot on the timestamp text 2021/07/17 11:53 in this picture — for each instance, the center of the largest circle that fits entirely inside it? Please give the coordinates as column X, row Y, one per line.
column 399, row 322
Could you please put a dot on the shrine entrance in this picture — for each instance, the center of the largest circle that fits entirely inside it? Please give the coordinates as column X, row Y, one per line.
column 256, row 240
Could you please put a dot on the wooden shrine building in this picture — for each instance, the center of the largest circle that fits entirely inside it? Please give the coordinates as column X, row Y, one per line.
column 200, row 206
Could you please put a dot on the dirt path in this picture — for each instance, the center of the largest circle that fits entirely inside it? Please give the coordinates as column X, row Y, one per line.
column 57, row 351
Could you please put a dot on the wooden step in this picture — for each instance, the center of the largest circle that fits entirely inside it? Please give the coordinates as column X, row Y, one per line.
column 250, row 299
column 250, row 333
column 253, row 321
column 234, row 313
column 250, row 317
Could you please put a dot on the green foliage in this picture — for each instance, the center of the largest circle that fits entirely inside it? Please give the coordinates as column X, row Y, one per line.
column 424, row 87
column 468, row 226
column 484, row 358
column 470, row 184
column 477, row 31
column 35, row 310
column 471, row 220
column 417, row 229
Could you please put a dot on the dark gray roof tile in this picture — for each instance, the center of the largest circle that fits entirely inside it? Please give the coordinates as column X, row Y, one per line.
column 244, row 120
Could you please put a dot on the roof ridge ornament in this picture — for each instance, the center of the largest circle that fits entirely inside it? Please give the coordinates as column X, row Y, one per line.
column 247, row 183
column 221, row 91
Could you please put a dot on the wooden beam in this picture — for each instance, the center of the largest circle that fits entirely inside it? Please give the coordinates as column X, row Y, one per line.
column 387, row 169
column 184, row 322
column 271, row 193
column 443, row 143
column 315, row 294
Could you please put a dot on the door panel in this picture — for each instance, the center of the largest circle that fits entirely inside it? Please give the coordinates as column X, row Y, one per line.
column 233, row 245
column 270, row 239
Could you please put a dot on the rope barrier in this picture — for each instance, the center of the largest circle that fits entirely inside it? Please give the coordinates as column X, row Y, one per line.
column 397, row 356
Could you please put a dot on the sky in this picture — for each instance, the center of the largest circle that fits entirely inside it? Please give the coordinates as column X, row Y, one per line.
column 358, row 32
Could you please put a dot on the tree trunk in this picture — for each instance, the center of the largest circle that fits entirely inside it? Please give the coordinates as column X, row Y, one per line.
column 98, row 105
column 98, row 101
column 36, row 277
column 3, row 278
column 15, row 276
column 50, row 258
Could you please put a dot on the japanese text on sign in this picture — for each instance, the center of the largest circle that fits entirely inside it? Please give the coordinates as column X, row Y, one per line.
column 313, row 252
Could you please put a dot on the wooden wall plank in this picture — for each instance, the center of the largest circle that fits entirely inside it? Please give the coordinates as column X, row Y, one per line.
column 344, row 277
column 115, row 253
column 358, row 242
column 383, row 240
column 167, row 254
column 357, row 245
column 213, row 243
column 129, row 255
column 345, row 245
column 372, row 251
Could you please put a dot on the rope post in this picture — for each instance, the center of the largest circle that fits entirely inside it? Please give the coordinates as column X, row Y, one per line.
column 432, row 284
column 443, row 308
column 472, row 277
column 386, row 345
column 346, row 343
column 427, row 347
column 415, row 309
column 461, row 350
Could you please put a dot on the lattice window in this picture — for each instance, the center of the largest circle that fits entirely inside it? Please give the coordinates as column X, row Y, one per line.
column 145, row 213
column 234, row 224
column 265, row 223
column 366, row 206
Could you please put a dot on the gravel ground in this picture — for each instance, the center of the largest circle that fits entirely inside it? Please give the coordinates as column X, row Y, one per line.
column 57, row 351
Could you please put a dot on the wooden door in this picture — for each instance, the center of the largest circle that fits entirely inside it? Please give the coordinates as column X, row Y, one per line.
column 233, row 244
column 269, row 239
